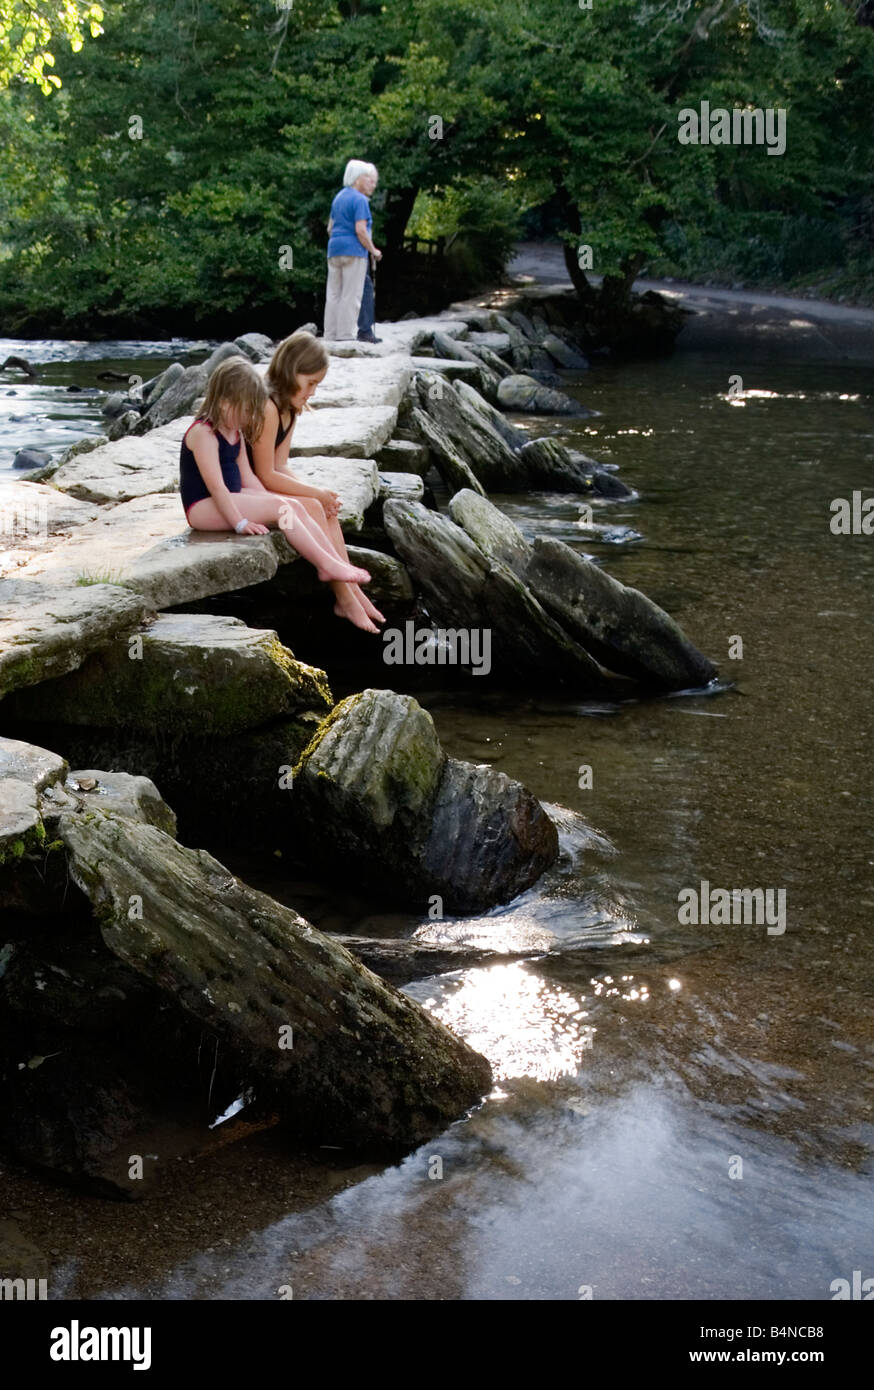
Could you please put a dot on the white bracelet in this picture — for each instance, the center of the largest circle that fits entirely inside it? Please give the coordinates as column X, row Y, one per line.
column 241, row 526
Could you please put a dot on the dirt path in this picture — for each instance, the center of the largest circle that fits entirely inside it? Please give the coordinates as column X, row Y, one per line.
column 765, row 324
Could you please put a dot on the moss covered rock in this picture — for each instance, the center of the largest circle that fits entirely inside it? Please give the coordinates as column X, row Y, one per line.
column 192, row 673
column 344, row 1057
column 378, row 801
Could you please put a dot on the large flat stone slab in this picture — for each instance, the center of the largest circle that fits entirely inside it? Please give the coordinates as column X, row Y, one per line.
column 34, row 510
column 364, row 381
column 146, row 546
column 404, row 336
column 32, row 517
column 125, row 468
column 140, row 466
column 451, row 367
column 352, row 431
column 48, row 627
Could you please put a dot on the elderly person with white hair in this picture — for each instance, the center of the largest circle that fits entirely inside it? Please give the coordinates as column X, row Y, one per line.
column 349, row 245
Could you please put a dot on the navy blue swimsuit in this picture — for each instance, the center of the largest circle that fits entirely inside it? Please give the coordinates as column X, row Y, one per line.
column 191, row 484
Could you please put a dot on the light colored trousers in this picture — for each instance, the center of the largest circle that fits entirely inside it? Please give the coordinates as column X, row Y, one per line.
column 343, row 297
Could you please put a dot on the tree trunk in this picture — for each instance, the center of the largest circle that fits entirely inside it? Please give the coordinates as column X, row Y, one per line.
column 398, row 210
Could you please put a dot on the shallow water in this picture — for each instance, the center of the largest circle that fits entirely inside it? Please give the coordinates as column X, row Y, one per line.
column 680, row 1111
column 42, row 413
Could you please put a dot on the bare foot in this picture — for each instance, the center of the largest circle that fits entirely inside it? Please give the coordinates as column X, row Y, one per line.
column 348, row 607
column 370, row 609
column 347, row 574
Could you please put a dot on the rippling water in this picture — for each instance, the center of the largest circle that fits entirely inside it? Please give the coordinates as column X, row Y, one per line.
column 44, row 413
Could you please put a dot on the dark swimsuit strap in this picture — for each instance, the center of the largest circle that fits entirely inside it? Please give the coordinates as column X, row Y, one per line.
column 202, row 421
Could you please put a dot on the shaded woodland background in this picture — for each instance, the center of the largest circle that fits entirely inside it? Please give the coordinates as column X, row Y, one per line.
column 552, row 121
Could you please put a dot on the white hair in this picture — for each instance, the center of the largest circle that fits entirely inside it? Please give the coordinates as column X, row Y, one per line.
column 355, row 168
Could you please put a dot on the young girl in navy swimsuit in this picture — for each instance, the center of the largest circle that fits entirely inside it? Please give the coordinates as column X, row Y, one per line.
column 297, row 367
column 221, row 493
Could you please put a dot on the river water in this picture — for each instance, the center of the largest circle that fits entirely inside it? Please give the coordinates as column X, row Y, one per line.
column 63, row 402
column 680, row 1111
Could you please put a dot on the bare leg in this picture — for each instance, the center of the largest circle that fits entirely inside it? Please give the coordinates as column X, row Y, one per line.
column 264, row 507
column 301, row 513
column 331, row 528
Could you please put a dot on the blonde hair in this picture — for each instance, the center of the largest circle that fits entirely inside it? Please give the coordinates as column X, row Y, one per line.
column 298, row 355
column 235, row 384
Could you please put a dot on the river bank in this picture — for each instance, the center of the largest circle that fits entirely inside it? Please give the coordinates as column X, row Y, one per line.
column 615, row 1174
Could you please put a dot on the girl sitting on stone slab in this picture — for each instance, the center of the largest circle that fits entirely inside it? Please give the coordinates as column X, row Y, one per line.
column 296, row 368
column 221, row 493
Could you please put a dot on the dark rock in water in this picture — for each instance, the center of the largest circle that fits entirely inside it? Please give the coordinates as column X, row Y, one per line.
column 525, row 394
column 21, row 364
column 177, row 399
column 341, row 1056
column 411, row 822
column 495, row 464
column 31, row 458
column 545, row 377
column 508, row 432
column 11, row 393
column 491, row 359
column 562, row 353
column 550, row 465
column 524, row 324
column 490, row 838
column 453, row 468
column 114, row 405
column 257, row 346
column 445, row 346
column 464, row 588
column 400, row 961
column 123, row 424
column 154, row 389
column 372, row 774
column 620, row 626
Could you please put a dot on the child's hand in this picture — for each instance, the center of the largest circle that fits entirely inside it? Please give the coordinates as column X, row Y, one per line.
column 330, row 501
column 255, row 529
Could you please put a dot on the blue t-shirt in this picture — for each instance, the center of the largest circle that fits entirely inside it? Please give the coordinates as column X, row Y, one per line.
column 349, row 206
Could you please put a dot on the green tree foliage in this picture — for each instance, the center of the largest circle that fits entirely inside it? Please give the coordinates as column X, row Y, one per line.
column 27, row 27
column 182, row 175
